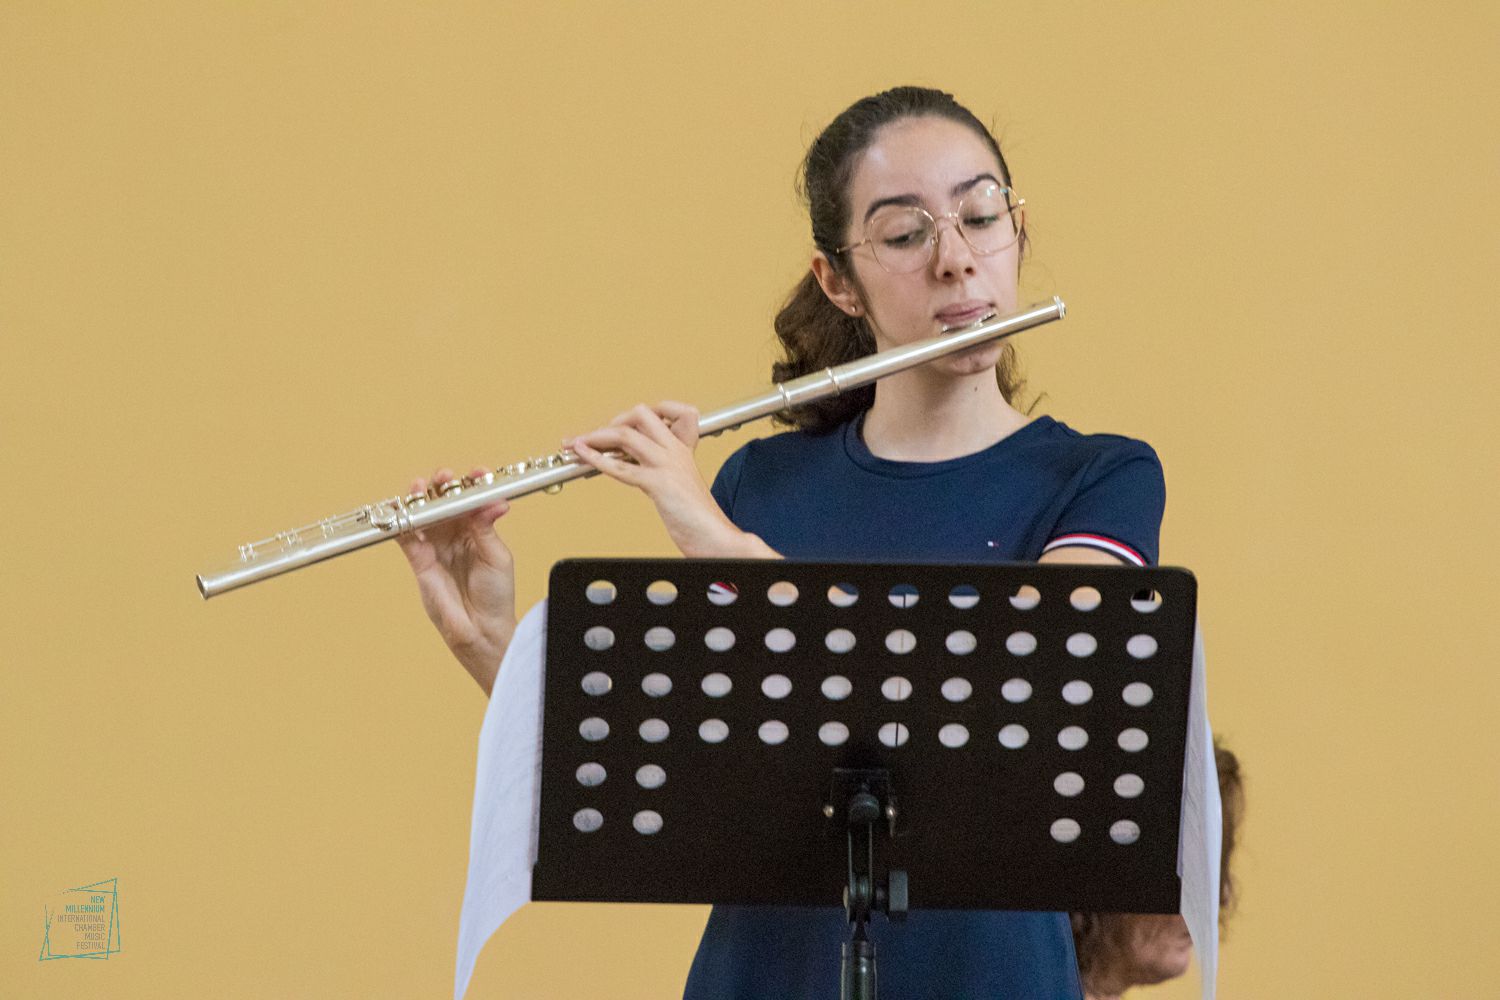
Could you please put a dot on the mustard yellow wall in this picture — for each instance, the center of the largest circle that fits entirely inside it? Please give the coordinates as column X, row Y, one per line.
column 261, row 262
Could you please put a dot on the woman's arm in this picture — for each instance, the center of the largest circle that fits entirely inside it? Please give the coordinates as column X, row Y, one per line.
column 1079, row 554
column 465, row 572
column 655, row 446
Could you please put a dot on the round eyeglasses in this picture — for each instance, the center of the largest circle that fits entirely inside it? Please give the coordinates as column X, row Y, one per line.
column 904, row 238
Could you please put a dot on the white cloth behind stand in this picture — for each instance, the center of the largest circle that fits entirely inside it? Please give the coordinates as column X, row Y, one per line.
column 507, row 796
column 1200, row 834
column 507, row 808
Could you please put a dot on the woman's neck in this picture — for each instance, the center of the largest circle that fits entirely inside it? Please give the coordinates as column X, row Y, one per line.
column 925, row 416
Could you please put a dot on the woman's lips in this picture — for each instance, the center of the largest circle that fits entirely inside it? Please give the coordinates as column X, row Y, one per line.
column 963, row 314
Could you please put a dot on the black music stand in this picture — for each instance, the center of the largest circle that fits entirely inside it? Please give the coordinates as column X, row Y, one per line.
column 999, row 737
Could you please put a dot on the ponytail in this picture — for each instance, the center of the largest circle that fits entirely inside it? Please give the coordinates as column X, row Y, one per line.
column 817, row 334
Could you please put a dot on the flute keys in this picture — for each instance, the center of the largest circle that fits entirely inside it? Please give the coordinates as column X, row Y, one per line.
column 383, row 515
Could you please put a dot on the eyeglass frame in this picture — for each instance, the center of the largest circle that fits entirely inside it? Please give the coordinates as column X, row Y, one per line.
column 956, row 218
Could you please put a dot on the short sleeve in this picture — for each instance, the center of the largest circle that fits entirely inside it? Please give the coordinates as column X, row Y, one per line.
column 727, row 482
column 1118, row 506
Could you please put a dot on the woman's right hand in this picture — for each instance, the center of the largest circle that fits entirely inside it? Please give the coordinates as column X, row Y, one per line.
column 468, row 584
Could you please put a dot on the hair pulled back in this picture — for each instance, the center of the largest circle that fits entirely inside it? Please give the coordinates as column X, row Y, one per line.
column 814, row 332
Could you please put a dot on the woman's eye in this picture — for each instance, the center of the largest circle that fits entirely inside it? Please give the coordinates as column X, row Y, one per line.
column 901, row 240
column 980, row 221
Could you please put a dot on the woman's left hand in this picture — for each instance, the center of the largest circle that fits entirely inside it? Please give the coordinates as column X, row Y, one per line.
column 658, row 443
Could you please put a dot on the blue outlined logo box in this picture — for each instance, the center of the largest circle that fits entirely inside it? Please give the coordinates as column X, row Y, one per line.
column 83, row 922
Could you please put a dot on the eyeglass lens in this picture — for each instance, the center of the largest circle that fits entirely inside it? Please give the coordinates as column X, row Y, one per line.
column 904, row 237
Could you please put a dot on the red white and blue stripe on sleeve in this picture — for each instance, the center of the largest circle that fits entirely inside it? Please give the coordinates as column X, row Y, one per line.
column 1091, row 541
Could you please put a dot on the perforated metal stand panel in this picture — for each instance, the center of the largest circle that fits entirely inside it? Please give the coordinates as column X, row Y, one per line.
column 1032, row 719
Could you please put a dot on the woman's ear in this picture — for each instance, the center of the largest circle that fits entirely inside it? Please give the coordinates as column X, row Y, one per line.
column 839, row 289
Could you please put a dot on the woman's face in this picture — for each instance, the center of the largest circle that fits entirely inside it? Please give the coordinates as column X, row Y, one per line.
column 930, row 162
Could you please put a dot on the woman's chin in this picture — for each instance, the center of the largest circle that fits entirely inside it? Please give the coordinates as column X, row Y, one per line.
column 983, row 358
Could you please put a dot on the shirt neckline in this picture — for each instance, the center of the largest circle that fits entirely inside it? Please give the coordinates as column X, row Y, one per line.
column 860, row 454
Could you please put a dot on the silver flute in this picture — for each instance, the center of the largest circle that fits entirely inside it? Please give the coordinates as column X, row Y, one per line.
column 395, row 516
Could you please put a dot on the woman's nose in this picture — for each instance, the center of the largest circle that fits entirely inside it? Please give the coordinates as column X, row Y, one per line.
column 951, row 253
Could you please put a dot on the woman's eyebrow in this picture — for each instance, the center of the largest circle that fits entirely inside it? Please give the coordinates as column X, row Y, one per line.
column 911, row 199
column 963, row 188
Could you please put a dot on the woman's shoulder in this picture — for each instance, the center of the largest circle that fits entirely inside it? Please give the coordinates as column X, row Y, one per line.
column 1103, row 464
column 1079, row 448
column 1111, row 493
column 787, row 446
column 775, row 460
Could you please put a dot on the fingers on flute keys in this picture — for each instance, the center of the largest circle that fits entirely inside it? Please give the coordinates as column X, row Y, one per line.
column 484, row 517
column 643, row 436
column 489, row 513
column 682, row 419
column 663, row 422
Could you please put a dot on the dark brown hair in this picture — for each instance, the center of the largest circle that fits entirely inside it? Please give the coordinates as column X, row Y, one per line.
column 815, row 333
column 1101, row 939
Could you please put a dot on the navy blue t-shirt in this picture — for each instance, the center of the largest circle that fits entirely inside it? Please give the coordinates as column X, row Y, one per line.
column 827, row 497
